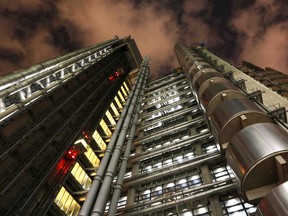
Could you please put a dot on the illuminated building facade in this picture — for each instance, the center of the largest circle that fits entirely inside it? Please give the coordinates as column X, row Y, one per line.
column 89, row 135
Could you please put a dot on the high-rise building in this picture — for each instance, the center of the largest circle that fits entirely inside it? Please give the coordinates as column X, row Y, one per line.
column 87, row 134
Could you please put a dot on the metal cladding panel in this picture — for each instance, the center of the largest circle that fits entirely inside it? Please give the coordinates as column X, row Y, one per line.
column 275, row 203
column 251, row 154
column 226, row 118
column 201, row 77
column 217, row 93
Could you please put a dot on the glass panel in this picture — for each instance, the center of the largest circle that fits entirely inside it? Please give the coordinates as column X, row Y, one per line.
column 81, row 176
column 96, row 136
column 111, row 119
column 91, row 156
column 67, row 203
column 126, row 87
column 114, row 109
column 118, row 102
column 105, row 128
column 123, row 90
column 121, row 96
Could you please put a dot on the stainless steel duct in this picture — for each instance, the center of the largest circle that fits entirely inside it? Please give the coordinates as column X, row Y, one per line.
column 96, row 184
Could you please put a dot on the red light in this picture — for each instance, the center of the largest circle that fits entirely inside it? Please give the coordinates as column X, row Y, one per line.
column 117, row 74
column 72, row 154
column 111, row 78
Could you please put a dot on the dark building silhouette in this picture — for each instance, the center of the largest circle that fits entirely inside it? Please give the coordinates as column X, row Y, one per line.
column 88, row 134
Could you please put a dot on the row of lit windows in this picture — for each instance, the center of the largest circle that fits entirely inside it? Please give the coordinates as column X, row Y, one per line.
column 175, row 183
column 168, row 161
column 231, row 204
column 164, row 112
column 166, row 82
column 167, row 88
column 173, row 93
column 64, row 199
column 165, row 124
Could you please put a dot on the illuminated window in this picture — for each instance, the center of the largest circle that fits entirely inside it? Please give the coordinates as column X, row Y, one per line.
column 118, row 102
column 105, row 128
column 124, row 92
column 121, row 96
column 232, row 204
column 126, row 87
column 96, row 136
column 114, row 109
column 67, row 203
column 91, row 156
column 109, row 116
column 81, row 176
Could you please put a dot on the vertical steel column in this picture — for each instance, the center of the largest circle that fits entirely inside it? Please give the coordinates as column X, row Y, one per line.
column 122, row 171
column 101, row 201
column 95, row 186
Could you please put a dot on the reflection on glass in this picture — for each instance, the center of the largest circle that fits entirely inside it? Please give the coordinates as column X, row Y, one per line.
column 67, row 203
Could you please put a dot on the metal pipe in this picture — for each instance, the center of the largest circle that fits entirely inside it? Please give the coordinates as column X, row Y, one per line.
column 95, row 186
column 99, row 206
column 120, row 179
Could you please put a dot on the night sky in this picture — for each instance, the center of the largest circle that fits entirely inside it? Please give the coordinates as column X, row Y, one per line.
column 36, row 30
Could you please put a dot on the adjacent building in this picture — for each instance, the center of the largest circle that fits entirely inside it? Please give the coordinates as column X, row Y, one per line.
column 88, row 134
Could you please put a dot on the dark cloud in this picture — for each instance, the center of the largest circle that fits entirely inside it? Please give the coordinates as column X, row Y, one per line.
column 35, row 30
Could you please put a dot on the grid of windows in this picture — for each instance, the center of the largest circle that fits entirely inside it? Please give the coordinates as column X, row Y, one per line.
column 232, row 204
column 164, row 112
column 220, row 172
column 165, row 187
column 167, row 160
column 210, row 147
column 67, row 203
column 166, row 141
column 165, row 124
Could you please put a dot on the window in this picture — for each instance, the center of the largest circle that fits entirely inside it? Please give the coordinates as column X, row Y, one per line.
column 96, row 136
column 91, row 156
column 81, row 176
column 220, row 173
column 110, row 118
column 67, row 203
column 118, row 102
column 114, row 109
column 121, row 96
column 232, row 204
column 105, row 128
